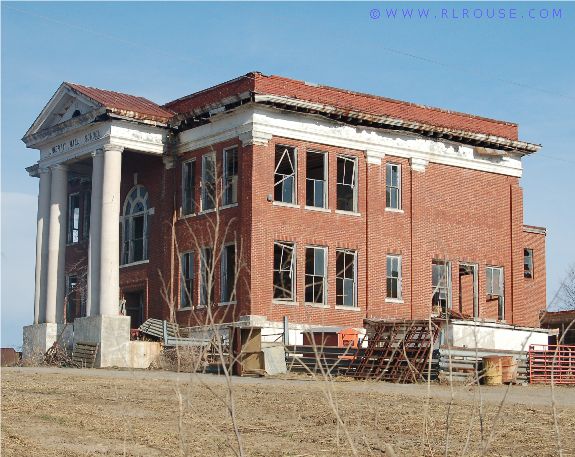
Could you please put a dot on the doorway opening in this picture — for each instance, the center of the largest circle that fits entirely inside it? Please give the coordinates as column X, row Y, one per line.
column 135, row 307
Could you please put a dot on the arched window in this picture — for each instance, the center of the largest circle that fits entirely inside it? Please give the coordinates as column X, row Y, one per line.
column 135, row 226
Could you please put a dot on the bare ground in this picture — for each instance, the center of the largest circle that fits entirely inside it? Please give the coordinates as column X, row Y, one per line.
column 69, row 412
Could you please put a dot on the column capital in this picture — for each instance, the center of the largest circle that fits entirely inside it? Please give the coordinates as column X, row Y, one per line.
column 112, row 147
column 43, row 170
column 97, row 153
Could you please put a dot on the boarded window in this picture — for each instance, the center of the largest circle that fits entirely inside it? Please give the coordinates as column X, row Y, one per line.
column 315, row 190
column 188, row 187
column 285, row 174
column 315, row 275
column 441, row 285
column 187, row 284
column 228, row 273
column 73, row 218
column 284, row 271
column 394, row 276
column 346, row 278
column 494, row 285
column 346, row 184
column 208, row 182
column 207, row 277
column 393, row 186
column 230, row 176
column 528, row 263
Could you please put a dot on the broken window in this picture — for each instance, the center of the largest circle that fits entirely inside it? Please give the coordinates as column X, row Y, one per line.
column 494, row 283
column 315, row 180
column 528, row 263
column 207, row 277
column 468, row 289
column 393, row 186
column 86, row 219
column 73, row 218
column 230, row 176
column 285, row 174
column 315, row 275
column 284, row 271
column 208, row 181
column 187, row 280
column 135, row 230
column 441, row 286
column 188, row 187
column 394, row 277
column 346, row 184
column 228, row 273
column 345, row 278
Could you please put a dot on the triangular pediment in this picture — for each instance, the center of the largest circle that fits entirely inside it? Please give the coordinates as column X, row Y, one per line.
column 64, row 105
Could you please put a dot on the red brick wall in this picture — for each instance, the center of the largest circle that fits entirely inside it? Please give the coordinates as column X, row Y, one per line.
column 535, row 289
column 448, row 213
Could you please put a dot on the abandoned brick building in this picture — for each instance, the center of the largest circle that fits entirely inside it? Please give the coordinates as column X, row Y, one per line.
column 331, row 205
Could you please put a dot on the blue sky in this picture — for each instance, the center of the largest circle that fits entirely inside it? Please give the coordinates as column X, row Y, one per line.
column 521, row 70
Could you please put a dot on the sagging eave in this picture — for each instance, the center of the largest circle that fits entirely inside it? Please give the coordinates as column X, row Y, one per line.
column 387, row 122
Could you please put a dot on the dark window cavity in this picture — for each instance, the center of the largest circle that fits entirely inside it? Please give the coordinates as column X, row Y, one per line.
column 284, row 271
column 187, row 280
column 315, row 275
column 208, row 182
column 528, row 263
column 188, row 187
column 230, row 176
column 207, row 277
column 315, row 181
column 394, row 277
column 346, row 184
column 73, row 218
column 228, row 273
column 441, row 285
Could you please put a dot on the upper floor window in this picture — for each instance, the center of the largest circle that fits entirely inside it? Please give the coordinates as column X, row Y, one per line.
column 394, row 277
column 528, row 263
column 315, row 179
column 393, row 186
column 345, row 277
column 441, row 285
column 188, row 187
column 346, row 183
column 494, row 285
column 73, row 218
column 208, row 181
column 135, row 226
column 285, row 174
column 230, row 195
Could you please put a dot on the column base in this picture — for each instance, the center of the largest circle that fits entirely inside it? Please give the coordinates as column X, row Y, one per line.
column 38, row 338
column 112, row 333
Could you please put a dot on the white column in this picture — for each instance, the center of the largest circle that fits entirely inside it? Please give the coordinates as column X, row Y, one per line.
column 93, row 299
column 42, row 230
column 110, row 244
column 55, row 282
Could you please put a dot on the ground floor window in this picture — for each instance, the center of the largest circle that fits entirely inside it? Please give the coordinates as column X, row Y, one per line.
column 315, row 274
column 284, row 271
column 494, row 284
column 393, row 277
column 207, row 277
column 346, row 278
column 441, row 285
column 187, row 280
column 228, row 274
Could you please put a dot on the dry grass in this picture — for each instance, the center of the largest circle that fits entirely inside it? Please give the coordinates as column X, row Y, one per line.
column 75, row 413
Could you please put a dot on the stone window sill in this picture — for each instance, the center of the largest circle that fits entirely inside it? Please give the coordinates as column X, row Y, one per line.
column 348, row 213
column 286, row 303
column 285, row 205
column 348, row 308
column 394, row 210
column 133, row 264
column 398, row 301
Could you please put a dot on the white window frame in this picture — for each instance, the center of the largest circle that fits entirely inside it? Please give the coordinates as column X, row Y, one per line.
column 354, row 184
column 223, row 277
column 389, row 166
column 192, row 164
column 323, row 276
column 204, row 194
column 489, row 270
column 325, row 179
column 355, row 302
column 189, row 294
column 399, row 278
column 127, row 220
column 532, row 269
column 225, row 176
column 295, row 174
column 448, row 286
column 292, row 271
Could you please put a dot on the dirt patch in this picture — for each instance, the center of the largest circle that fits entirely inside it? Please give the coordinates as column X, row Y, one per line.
column 100, row 412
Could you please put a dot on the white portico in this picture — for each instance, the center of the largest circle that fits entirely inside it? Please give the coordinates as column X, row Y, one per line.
column 84, row 131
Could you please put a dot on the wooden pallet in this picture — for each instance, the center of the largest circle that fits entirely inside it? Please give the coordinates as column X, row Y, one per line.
column 84, row 354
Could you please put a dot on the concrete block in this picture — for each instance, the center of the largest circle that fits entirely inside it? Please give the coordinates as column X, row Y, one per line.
column 37, row 339
column 143, row 353
column 112, row 333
